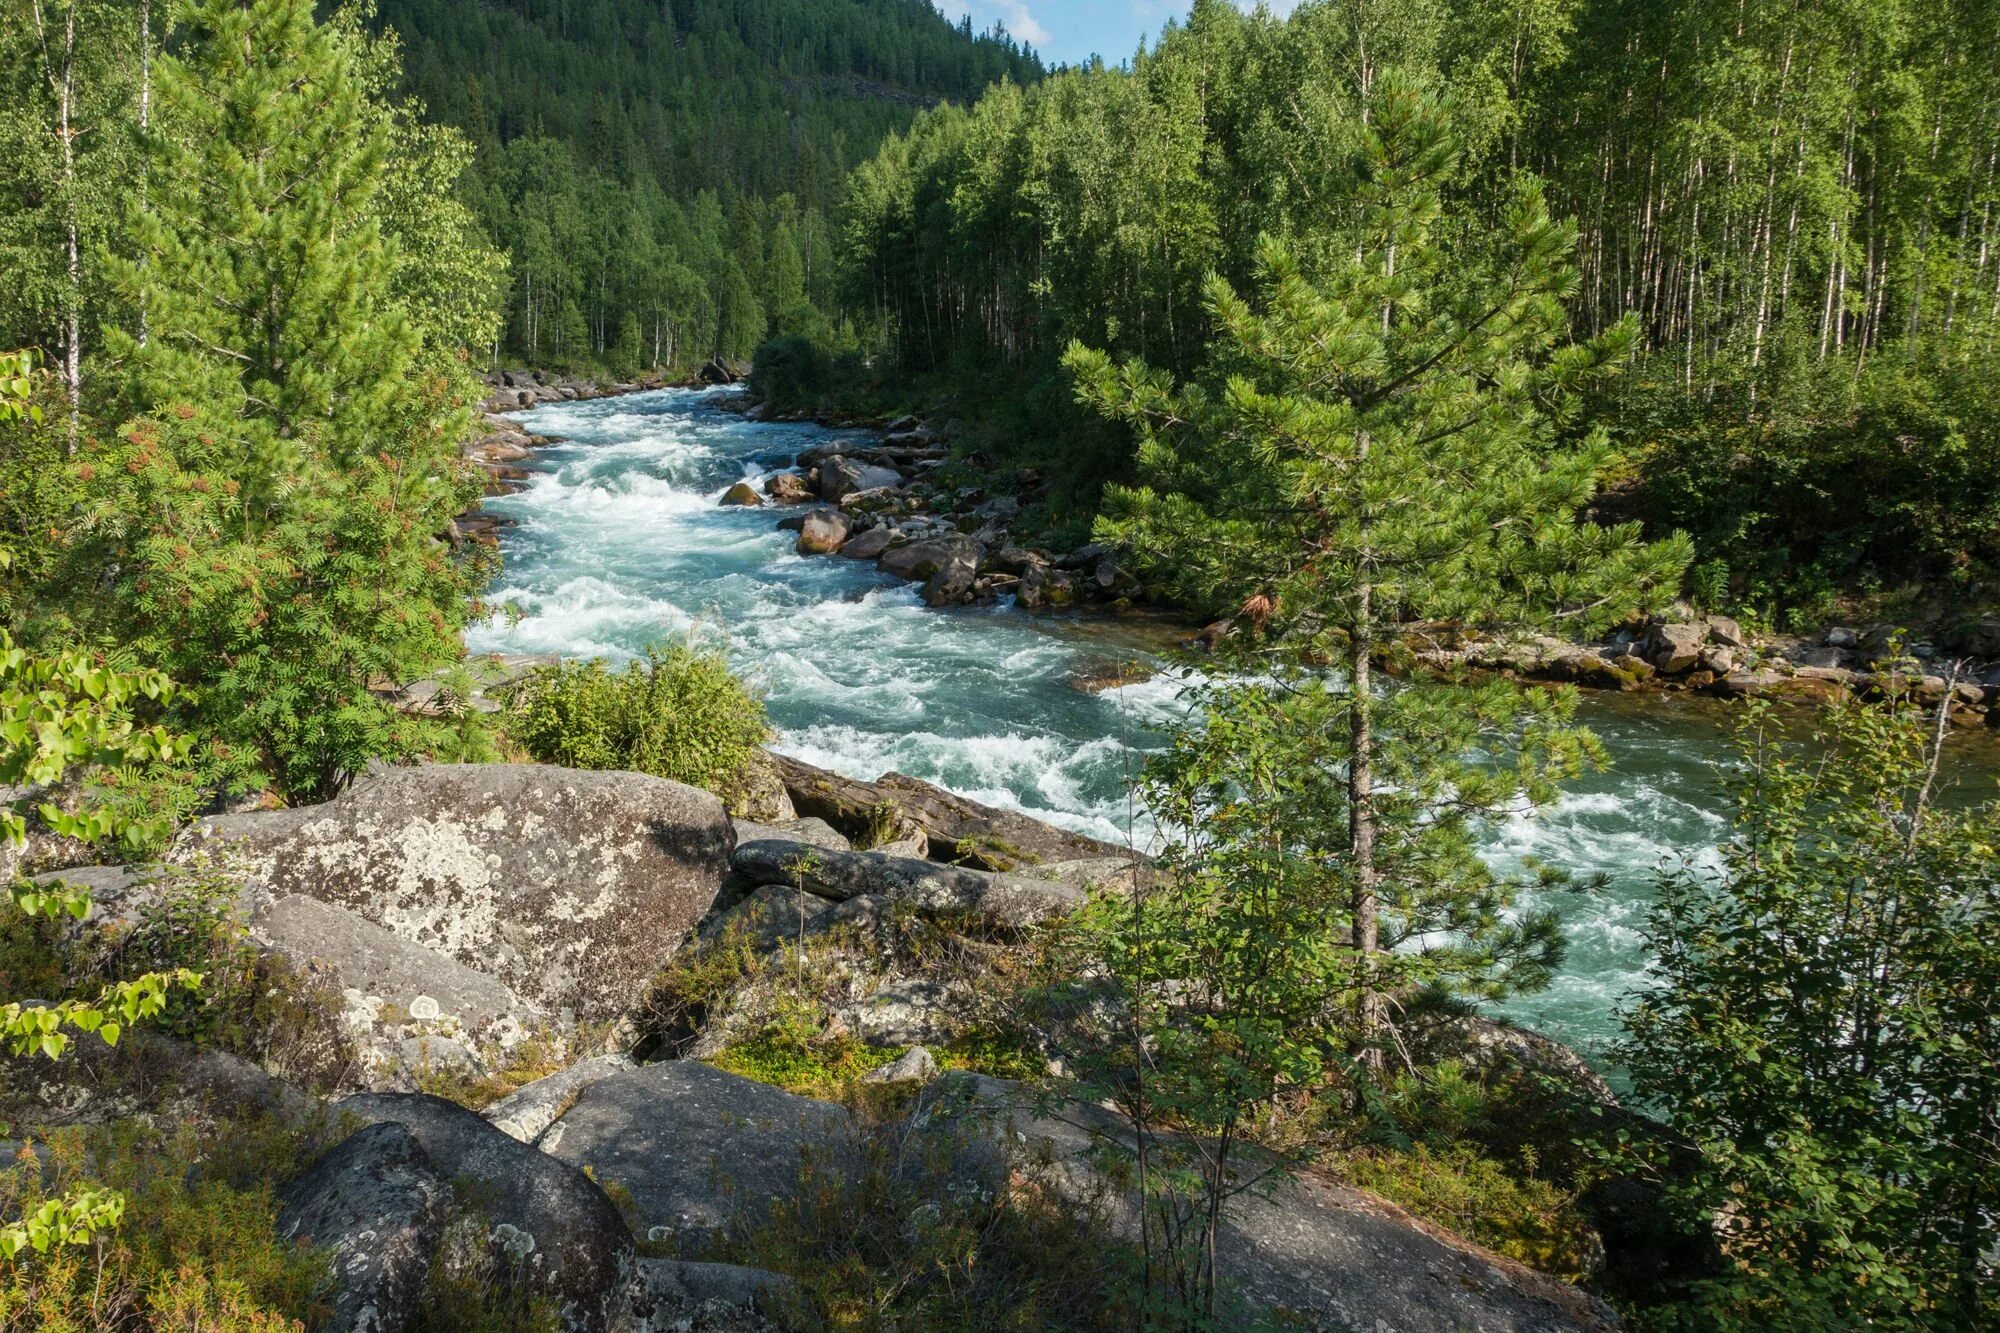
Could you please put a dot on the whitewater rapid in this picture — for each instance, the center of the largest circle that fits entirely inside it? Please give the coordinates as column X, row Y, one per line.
column 619, row 542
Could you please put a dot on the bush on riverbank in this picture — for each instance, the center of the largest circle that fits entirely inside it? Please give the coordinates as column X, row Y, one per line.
column 678, row 713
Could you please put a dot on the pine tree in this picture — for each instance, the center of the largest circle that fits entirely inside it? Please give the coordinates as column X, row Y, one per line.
column 1385, row 455
column 267, row 277
column 276, row 508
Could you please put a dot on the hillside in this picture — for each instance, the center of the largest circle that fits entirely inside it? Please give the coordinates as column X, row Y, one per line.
column 663, row 173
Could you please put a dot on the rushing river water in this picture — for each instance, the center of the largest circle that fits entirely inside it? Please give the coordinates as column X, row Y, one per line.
column 619, row 542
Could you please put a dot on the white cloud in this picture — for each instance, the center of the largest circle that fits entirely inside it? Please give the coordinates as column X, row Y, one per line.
column 1014, row 13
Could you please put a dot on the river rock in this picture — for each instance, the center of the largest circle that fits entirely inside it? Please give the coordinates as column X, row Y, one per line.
column 1674, row 649
column 772, row 915
column 816, row 832
column 407, row 1006
column 823, row 532
column 570, row 887
column 995, row 900
column 870, row 544
column 376, row 1206
column 540, row 1218
column 955, row 827
column 742, row 494
column 922, row 559
column 952, row 583
column 840, row 476
column 787, row 488
column 694, row 1148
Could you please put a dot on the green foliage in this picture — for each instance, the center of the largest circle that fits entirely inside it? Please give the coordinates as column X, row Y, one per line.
column 1531, row 1221
column 678, row 713
column 197, row 1249
column 1815, row 480
column 1820, row 1038
column 791, row 373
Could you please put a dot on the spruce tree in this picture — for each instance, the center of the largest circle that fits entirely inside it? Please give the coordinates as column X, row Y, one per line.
column 1383, row 455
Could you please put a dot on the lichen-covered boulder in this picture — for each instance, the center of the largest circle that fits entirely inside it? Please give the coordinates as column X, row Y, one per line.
column 376, row 1206
column 407, row 1008
column 542, row 1222
column 570, row 887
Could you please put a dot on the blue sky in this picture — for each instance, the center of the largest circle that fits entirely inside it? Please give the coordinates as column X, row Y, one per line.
column 1071, row 31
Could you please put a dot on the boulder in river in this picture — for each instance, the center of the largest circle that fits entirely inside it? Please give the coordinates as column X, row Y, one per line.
column 870, row 544
column 953, row 581
column 823, row 532
column 742, row 495
column 787, row 488
column 570, row 887
column 922, row 559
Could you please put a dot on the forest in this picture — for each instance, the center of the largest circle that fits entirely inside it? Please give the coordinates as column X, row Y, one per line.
column 1799, row 204
column 664, row 177
column 369, row 963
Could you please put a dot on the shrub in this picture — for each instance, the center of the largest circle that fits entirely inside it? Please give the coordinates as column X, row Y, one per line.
column 678, row 713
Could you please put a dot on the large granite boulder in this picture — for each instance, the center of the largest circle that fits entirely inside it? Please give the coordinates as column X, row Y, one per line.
column 376, row 1206
column 406, row 1007
column 542, row 1222
column 696, row 1149
column 570, row 887
column 922, row 559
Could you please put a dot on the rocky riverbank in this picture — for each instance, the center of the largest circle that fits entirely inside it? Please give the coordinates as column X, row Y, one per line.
column 605, row 948
column 876, row 502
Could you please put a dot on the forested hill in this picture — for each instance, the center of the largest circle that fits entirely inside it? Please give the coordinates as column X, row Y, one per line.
column 662, row 171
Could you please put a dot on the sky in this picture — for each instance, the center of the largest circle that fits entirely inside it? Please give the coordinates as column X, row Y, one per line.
column 1071, row 31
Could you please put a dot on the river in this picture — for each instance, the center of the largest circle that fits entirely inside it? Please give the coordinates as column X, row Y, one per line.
column 619, row 542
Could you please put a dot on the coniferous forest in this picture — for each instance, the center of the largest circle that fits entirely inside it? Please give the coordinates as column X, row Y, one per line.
column 1372, row 703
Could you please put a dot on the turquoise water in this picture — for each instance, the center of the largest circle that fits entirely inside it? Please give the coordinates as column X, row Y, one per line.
column 620, row 543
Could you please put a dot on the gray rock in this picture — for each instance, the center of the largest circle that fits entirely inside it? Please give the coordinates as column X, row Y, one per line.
column 376, row 1205
column 870, row 544
column 1007, row 901
column 903, row 1013
column 772, row 915
column 570, row 887
column 550, row 1225
column 1842, row 637
column 922, row 559
column 1726, row 632
column 952, row 583
column 1825, row 657
column 843, row 476
column 914, row 1065
column 356, row 954
column 1319, row 1254
column 523, row 1114
column 119, row 895
column 685, row 1297
column 823, row 532
column 150, row 1075
column 816, row 832
column 1674, row 649
column 696, row 1149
